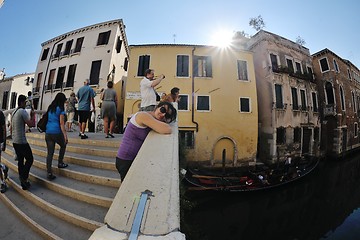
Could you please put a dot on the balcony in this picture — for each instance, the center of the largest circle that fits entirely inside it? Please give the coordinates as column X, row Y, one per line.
column 329, row 110
column 287, row 70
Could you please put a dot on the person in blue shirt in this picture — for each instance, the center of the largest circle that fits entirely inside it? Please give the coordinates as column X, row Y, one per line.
column 85, row 96
column 56, row 133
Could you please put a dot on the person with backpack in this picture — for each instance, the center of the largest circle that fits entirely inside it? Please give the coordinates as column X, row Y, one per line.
column 56, row 133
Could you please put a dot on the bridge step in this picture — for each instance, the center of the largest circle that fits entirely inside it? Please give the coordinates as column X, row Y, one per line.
column 77, row 200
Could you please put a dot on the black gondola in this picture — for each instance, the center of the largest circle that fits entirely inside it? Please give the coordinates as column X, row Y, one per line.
column 253, row 178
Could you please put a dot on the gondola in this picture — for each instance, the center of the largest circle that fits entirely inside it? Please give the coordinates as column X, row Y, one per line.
column 253, row 178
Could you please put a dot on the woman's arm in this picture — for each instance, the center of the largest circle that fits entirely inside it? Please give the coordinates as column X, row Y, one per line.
column 145, row 119
column 62, row 126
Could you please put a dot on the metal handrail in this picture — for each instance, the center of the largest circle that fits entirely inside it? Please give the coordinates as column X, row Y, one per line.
column 139, row 215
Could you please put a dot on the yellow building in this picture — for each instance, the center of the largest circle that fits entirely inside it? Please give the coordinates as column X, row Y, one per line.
column 217, row 115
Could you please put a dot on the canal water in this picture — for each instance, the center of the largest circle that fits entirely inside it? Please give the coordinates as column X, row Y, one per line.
column 322, row 205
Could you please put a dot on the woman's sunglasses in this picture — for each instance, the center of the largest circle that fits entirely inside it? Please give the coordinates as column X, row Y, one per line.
column 167, row 115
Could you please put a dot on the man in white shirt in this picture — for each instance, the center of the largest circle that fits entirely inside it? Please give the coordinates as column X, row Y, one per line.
column 148, row 94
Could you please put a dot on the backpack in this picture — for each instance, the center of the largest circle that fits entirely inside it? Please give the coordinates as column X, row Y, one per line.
column 41, row 125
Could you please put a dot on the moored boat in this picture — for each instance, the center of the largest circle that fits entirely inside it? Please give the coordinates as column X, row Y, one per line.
column 250, row 178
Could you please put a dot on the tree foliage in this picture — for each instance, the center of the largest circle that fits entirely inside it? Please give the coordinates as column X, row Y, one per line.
column 257, row 23
column 300, row 41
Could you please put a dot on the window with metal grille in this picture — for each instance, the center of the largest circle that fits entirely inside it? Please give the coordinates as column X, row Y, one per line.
column 202, row 66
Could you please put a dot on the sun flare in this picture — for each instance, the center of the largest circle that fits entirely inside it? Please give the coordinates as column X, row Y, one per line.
column 222, row 38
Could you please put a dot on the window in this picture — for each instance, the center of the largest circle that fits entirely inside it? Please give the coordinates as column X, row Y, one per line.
column 126, row 63
column 38, row 82
column 95, row 72
column 336, row 67
column 279, row 96
column 68, row 47
column 295, row 101
column 242, row 70
column 45, row 54
column 316, row 134
column 280, row 135
column 298, row 67
column 186, row 138
column 290, row 65
column 118, row 44
column 71, row 76
column 182, row 66
column 5, row 100
column 356, row 129
column 78, row 44
column 203, row 103
column 310, row 72
column 324, row 65
column 274, row 62
column 297, row 135
column 183, row 102
column 60, row 77
column 58, row 50
column 202, row 66
column 314, row 102
column 349, row 73
column 13, row 100
column 342, row 98
column 353, row 101
column 245, row 104
column 51, row 79
column 329, row 93
column 103, row 38
column 144, row 63
column 303, row 100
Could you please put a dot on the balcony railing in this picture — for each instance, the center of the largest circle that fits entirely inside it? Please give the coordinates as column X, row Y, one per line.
column 303, row 76
column 329, row 110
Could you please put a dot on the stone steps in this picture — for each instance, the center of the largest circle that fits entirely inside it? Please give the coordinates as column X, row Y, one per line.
column 74, row 204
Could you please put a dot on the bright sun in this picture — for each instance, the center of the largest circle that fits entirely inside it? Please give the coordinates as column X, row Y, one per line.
column 222, row 38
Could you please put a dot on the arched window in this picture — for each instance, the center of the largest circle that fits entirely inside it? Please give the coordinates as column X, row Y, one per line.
column 329, row 93
column 342, row 98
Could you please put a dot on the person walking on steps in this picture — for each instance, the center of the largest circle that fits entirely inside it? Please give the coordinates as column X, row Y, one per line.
column 56, row 133
column 85, row 97
column 108, row 109
column 3, row 169
column 70, row 111
column 22, row 148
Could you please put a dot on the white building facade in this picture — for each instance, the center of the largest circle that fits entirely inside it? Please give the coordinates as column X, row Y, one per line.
column 98, row 52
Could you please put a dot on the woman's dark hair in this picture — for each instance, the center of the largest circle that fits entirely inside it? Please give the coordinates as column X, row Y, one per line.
column 59, row 101
column 171, row 115
column 110, row 84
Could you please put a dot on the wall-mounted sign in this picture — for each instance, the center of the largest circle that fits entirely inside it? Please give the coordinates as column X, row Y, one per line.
column 133, row 95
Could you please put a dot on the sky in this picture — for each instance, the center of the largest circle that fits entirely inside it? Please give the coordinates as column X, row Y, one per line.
column 25, row 24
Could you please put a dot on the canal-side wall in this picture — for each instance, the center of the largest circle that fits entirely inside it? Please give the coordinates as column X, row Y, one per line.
column 156, row 169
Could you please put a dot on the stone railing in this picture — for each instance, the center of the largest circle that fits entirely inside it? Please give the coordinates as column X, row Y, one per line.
column 155, row 171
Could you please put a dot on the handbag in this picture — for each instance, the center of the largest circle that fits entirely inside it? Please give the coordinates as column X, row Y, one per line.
column 41, row 125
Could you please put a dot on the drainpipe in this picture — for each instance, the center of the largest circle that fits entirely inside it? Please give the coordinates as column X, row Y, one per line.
column 47, row 68
column 193, row 93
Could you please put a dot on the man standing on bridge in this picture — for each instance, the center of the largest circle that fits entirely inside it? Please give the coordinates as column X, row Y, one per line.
column 20, row 144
